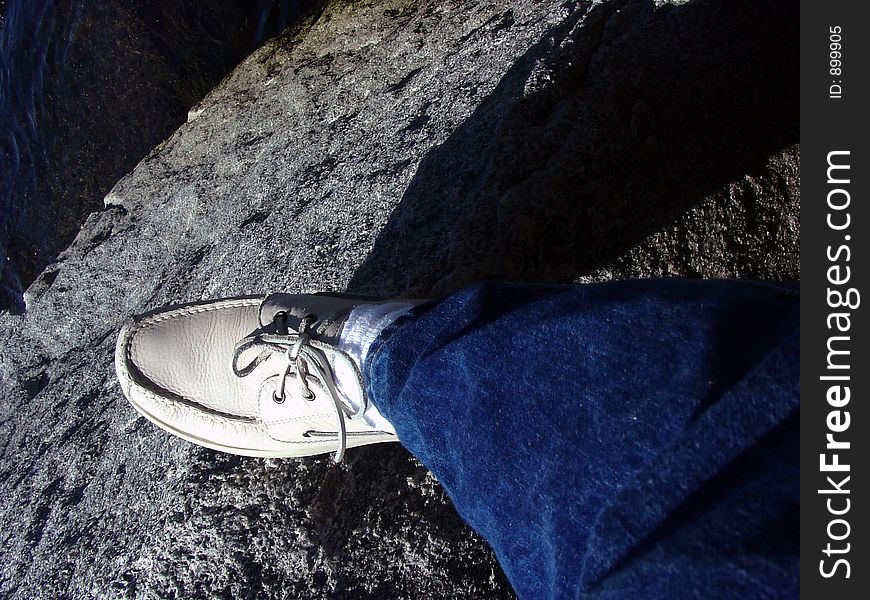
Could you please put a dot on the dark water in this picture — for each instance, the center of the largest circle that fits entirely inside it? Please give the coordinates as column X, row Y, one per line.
column 87, row 89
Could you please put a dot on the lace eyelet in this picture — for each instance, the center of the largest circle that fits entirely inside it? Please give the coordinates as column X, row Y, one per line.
column 278, row 399
column 309, row 396
column 307, row 321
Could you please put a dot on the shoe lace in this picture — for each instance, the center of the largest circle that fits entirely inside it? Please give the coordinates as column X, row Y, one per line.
column 306, row 356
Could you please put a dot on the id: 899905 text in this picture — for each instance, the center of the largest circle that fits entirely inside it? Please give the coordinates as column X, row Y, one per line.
column 835, row 61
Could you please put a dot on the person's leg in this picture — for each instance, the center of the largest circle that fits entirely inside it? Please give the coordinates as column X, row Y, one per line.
column 631, row 439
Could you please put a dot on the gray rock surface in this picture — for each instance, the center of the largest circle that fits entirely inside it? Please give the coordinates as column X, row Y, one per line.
column 87, row 88
column 390, row 147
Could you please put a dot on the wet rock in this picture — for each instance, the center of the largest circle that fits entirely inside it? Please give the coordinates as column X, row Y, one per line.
column 393, row 148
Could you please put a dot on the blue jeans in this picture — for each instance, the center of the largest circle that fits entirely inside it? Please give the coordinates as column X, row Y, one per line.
column 632, row 439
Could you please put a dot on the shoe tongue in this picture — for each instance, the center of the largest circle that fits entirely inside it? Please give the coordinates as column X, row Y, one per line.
column 329, row 312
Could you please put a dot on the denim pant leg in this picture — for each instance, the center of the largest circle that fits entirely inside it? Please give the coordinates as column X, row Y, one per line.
column 628, row 439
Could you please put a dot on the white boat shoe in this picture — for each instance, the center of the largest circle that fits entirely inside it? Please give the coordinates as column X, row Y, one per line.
column 250, row 375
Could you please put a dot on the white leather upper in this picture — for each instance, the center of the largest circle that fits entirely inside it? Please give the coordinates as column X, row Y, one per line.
column 189, row 351
column 175, row 367
column 297, row 418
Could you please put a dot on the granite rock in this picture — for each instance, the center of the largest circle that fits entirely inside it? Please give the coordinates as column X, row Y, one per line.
column 390, row 147
column 88, row 88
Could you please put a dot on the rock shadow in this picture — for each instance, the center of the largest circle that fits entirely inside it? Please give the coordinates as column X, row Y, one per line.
column 87, row 89
column 611, row 127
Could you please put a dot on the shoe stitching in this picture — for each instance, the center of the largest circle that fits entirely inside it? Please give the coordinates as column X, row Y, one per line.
column 194, row 309
column 190, row 410
column 130, row 356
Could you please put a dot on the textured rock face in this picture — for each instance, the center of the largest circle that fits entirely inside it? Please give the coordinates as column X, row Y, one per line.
column 394, row 148
column 87, row 88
